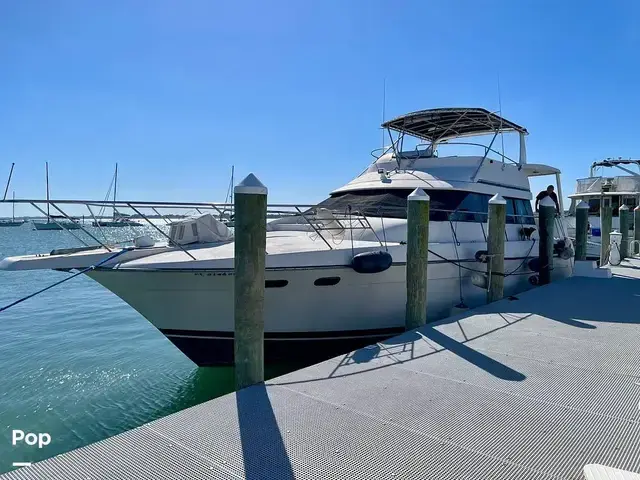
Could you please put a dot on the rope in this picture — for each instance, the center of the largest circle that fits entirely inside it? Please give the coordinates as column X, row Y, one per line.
column 92, row 267
column 513, row 272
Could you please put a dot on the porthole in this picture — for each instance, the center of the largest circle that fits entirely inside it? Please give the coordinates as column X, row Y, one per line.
column 326, row 281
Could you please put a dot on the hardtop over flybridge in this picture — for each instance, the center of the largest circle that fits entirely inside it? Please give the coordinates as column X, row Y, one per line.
column 319, row 300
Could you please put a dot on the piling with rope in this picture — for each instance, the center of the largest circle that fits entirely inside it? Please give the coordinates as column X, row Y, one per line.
column 623, row 212
column 606, row 221
column 495, row 247
column 418, row 205
column 546, row 222
column 636, row 230
column 250, row 204
column 582, row 227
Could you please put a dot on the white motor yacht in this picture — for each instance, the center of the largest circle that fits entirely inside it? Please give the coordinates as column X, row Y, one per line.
column 318, row 302
column 595, row 189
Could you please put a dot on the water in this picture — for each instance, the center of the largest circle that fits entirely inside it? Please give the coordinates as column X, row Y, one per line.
column 80, row 364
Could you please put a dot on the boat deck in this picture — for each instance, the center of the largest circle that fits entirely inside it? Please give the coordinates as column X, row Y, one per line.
column 531, row 387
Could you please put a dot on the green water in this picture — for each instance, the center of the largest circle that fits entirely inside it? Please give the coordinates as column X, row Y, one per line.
column 80, row 364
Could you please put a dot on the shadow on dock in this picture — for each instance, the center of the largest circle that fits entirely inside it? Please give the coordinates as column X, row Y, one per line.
column 259, row 427
column 564, row 302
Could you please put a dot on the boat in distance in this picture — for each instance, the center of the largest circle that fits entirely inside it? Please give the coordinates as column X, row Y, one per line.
column 612, row 190
column 13, row 222
column 318, row 302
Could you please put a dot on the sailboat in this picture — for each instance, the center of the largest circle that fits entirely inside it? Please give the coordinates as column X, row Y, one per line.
column 13, row 222
column 52, row 222
column 118, row 219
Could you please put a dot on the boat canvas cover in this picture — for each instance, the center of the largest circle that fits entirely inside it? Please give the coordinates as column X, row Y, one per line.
column 440, row 124
column 199, row 229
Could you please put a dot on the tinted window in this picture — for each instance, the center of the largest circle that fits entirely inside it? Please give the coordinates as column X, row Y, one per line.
column 511, row 211
column 615, row 203
column 473, row 208
column 524, row 212
column 453, row 205
column 594, row 206
column 393, row 203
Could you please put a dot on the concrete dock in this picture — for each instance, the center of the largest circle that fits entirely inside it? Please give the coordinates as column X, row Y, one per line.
column 532, row 387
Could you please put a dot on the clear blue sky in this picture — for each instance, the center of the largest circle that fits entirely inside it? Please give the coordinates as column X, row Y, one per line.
column 177, row 92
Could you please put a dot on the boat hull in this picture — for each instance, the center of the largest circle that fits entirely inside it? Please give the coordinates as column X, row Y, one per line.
column 304, row 322
column 116, row 224
column 11, row 224
column 55, row 226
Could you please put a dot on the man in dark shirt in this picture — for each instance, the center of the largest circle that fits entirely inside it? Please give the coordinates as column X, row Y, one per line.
column 548, row 193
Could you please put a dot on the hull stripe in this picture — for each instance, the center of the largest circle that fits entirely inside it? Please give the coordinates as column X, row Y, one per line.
column 330, row 335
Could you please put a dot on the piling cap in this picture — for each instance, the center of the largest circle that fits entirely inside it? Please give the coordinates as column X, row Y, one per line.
column 419, row 195
column 582, row 204
column 623, row 207
column 251, row 186
column 497, row 200
column 547, row 202
column 637, row 208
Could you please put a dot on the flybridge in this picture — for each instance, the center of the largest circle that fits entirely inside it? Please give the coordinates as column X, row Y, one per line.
column 441, row 125
column 610, row 162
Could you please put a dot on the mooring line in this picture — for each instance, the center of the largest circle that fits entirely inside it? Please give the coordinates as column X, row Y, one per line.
column 92, row 267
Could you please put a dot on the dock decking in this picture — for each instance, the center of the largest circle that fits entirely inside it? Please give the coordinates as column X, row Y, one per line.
column 533, row 387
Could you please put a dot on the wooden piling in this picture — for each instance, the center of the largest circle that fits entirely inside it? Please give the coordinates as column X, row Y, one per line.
column 636, row 229
column 417, row 258
column 495, row 248
column 546, row 222
column 605, row 229
column 582, row 227
column 250, row 205
column 623, row 212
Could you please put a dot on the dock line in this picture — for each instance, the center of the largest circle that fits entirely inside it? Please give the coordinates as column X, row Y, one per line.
column 92, row 267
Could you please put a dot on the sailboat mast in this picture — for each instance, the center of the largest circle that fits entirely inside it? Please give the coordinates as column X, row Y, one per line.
column 46, row 166
column 115, row 187
column 8, row 181
column 13, row 208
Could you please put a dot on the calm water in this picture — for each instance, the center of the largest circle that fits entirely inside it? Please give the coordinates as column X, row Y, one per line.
column 80, row 364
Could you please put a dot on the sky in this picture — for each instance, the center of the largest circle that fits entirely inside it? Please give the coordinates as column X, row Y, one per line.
column 178, row 92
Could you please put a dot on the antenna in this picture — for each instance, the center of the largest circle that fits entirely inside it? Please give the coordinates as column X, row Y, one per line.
column 46, row 166
column 384, row 105
column 500, row 109
column 8, row 181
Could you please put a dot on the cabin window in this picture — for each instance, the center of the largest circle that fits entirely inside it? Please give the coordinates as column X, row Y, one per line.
column 181, row 232
column 446, row 205
column 326, row 281
column 511, row 211
column 630, row 202
column 615, row 204
column 524, row 212
column 194, row 229
column 594, row 206
column 393, row 203
column 473, row 208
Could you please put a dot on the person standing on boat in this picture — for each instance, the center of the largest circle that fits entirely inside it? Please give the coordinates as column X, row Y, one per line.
column 548, row 193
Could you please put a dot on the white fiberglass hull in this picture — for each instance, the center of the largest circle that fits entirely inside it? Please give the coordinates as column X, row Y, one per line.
column 304, row 322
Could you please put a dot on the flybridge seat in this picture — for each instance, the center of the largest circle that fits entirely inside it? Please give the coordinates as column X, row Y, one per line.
column 199, row 229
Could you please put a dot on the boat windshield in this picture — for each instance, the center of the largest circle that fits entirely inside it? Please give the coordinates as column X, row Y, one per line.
column 446, row 205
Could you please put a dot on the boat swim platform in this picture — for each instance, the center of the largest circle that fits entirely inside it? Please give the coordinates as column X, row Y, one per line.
column 533, row 387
